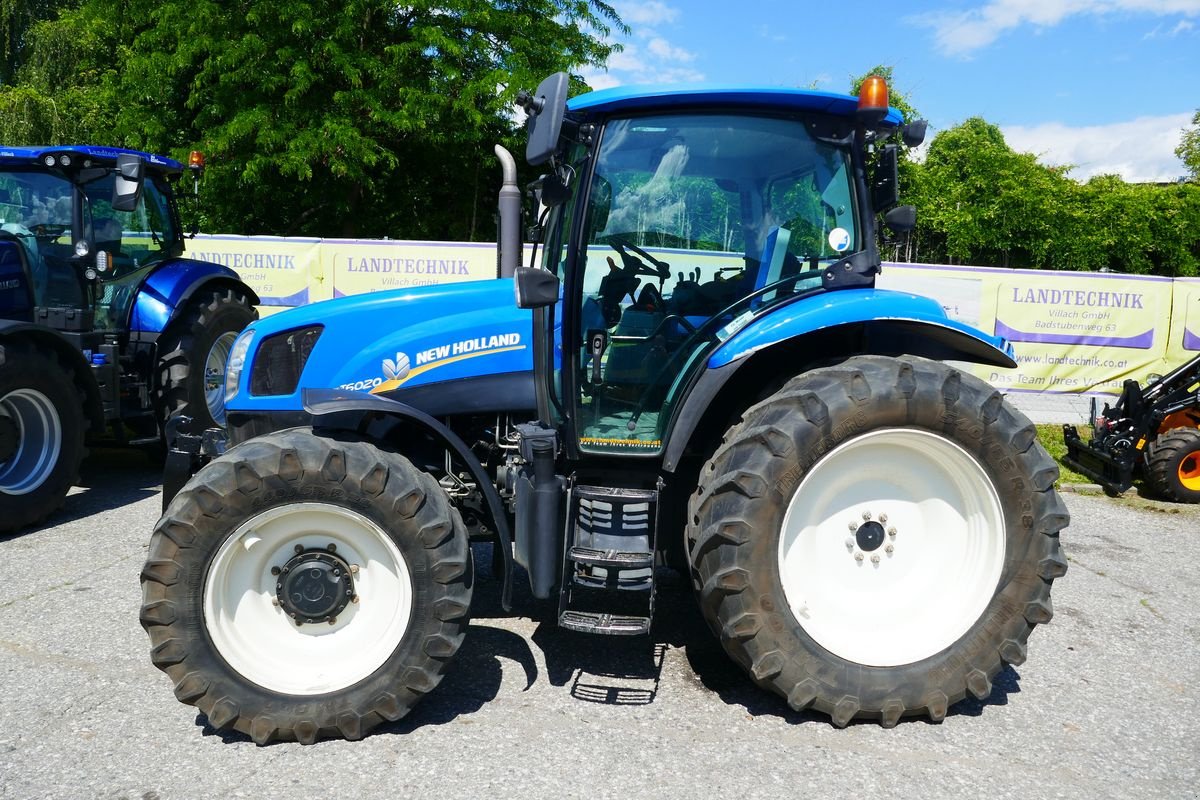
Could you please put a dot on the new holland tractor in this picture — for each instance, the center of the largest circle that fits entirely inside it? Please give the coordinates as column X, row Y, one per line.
column 106, row 330
column 696, row 370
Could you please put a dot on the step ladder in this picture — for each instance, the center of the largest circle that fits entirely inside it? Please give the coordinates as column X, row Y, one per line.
column 608, row 560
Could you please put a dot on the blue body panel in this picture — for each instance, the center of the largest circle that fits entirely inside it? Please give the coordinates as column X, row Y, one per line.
column 164, row 289
column 395, row 340
column 32, row 156
column 666, row 96
column 830, row 309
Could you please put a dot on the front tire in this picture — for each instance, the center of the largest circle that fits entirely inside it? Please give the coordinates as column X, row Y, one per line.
column 877, row 539
column 195, row 351
column 41, row 434
column 1173, row 467
column 302, row 587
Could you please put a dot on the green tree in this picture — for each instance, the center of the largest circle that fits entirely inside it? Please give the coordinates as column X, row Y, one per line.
column 362, row 117
column 1189, row 147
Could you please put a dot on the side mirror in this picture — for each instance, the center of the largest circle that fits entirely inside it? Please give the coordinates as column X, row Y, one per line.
column 885, row 189
column 127, row 182
column 914, row 133
column 535, row 288
column 901, row 219
column 545, row 109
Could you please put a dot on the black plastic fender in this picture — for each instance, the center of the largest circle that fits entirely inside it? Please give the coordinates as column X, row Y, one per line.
column 340, row 410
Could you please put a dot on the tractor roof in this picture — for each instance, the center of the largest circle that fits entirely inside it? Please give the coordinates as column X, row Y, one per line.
column 669, row 96
column 100, row 156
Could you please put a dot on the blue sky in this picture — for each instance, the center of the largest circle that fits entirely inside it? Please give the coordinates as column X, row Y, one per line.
column 1104, row 85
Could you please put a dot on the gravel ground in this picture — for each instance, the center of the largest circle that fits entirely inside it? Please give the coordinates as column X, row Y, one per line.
column 1108, row 704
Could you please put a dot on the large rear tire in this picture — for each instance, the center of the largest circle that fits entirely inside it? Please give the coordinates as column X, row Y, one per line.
column 1173, row 466
column 302, row 587
column 195, row 350
column 877, row 539
column 41, row 434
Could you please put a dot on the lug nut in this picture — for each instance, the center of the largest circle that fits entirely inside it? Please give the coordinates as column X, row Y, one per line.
column 275, row 602
column 875, row 559
column 892, row 532
column 275, row 570
column 882, row 518
column 866, row 515
column 332, row 547
column 852, row 525
column 354, row 599
column 858, row 557
column 332, row 620
column 888, row 549
column 354, row 569
column 299, row 548
column 850, row 543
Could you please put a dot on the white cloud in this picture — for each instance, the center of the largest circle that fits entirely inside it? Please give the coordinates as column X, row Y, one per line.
column 646, row 13
column 1139, row 150
column 959, row 33
column 648, row 55
column 661, row 48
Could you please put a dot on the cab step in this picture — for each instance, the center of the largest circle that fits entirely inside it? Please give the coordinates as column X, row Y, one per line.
column 608, row 563
column 597, row 622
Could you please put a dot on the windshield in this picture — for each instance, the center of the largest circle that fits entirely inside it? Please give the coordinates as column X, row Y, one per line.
column 691, row 220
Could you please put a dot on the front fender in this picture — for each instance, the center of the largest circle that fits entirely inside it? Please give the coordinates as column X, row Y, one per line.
column 341, row 410
column 917, row 322
column 170, row 285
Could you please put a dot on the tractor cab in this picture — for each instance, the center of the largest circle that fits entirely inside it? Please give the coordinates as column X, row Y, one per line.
column 91, row 222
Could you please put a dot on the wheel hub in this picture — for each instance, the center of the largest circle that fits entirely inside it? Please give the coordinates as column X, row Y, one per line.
column 10, row 437
column 870, row 536
column 314, row 586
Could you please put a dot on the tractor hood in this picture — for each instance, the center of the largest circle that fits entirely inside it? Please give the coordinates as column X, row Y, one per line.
column 452, row 348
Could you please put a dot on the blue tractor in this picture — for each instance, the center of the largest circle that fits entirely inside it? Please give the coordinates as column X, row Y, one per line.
column 106, row 330
column 695, row 370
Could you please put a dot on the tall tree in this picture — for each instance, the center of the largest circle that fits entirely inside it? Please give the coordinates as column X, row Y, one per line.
column 1189, row 147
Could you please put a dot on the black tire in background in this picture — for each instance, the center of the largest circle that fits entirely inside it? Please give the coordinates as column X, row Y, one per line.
column 1173, row 465
column 205, row 329
column 230, row 648
column 41, row 410
column 737, row 523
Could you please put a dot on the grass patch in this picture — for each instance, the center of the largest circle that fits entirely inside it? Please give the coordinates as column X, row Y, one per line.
column 1051, row 437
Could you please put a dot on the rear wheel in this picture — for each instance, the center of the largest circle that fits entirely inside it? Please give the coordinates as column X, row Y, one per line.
column 191, row 371
column 877, row 539
column 41, row 435
column 301, row 587
column 1173, row 466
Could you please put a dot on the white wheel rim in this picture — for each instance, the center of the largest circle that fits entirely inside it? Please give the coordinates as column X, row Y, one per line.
column 214, row 375
column 257, row 638
column 897, row 606
column 40, row 441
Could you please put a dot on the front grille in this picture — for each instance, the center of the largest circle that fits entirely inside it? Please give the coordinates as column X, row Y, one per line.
column 280, row 361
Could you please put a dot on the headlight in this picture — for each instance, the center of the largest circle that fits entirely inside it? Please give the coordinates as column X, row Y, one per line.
column 280, row 360
column 237, row 360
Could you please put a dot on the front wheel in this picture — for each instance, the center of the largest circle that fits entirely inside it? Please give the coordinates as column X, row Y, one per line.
column 195, row 351
column 877, row 539
column 301, row 587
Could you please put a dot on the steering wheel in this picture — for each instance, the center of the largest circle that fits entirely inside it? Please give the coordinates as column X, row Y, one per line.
column 635, row 266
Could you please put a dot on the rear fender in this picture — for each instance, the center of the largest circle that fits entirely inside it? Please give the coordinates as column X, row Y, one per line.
column 340, row 410
column 803, row 336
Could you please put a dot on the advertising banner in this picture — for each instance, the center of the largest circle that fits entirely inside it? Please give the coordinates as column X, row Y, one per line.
column 359, row 266
column 283, row 271
column 1070, row 331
